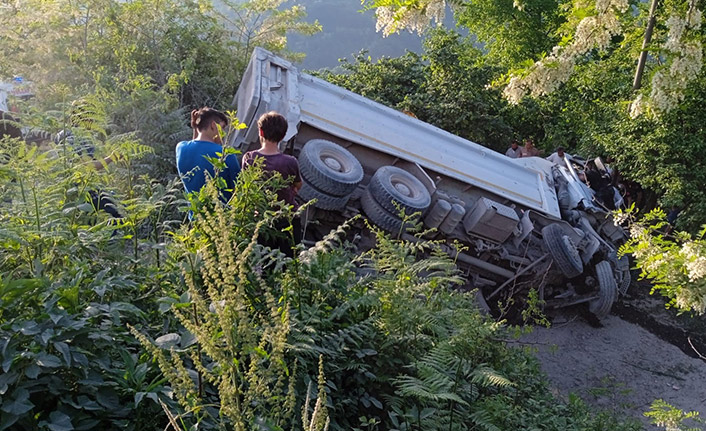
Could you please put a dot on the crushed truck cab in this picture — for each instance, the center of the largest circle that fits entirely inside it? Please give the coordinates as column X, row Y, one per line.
column 527, row 223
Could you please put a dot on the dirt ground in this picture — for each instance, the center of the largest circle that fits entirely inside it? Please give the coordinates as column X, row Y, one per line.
column 620, row 367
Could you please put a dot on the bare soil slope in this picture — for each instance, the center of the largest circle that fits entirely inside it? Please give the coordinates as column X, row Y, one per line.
column 619, row 367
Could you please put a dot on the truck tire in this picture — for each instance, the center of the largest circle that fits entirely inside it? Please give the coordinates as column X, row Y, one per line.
column 622, row 274
column 390, row 184
column 607, row 290
column 323, row 200
column 379, row 215
column 329, row 168
column 563, row 251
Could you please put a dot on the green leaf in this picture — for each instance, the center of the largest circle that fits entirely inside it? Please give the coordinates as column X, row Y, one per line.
column 426, row 412
column 108, row 398
column 7, row 420
column 80, row 358
column 32, row 371
column 7, row 379
column 138, row 397
column 153, row 396
column 167, row 341
column 56, row 315
column 19, row 405
column 28, row 327
column 165, row 304
column 6, row 364
column 47, row 360
column 47, row 335
column 63, row 348
column 187, row 339
column 376, row 402
column 86, row 207
column 125, row 307
column 88, row 424
column 83, row 402
column 59, row 422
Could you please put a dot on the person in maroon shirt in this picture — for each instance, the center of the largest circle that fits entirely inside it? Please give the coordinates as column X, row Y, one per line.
column 272, row 128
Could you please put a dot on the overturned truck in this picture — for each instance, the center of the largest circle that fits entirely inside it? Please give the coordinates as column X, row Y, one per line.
column 524, row 222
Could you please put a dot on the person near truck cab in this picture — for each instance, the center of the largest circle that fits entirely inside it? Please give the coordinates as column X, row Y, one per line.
column 272, row 128
column 600, row 184
column 529, row 150
column 192, row 156
column 558, row 156
column 514, row 151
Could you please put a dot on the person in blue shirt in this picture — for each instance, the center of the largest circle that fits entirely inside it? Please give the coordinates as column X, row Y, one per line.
column 191, row 156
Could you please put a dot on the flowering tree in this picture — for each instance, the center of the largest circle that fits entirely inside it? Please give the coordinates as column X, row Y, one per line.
column 577, row 31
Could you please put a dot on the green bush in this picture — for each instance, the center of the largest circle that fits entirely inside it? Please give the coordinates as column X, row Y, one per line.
column 70, row 279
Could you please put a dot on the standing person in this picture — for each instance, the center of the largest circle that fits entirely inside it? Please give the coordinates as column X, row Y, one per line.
column 514, row 151
column 529, row 149
column 272, row 127
column 558, row 157
column 601, row 185
column 191, row 156
column 81, row 120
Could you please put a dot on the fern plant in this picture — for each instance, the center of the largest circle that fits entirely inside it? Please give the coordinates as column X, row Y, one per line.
column 237, row 314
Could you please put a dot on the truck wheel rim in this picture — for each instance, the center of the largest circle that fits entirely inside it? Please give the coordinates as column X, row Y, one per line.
column 333, row 164
column 403, row 189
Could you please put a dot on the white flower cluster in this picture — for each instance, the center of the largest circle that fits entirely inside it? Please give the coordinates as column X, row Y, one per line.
column 693, row 296
column 691, row 299
column 548, row 74
column 519, row 5
column 668, row 85
column 694, row 260
column 620, row 217
column 390, row 20
column 385, row 20
column 637, row 107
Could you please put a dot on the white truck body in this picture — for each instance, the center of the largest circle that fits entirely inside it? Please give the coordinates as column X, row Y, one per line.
column 522, row 219
column 274, row 84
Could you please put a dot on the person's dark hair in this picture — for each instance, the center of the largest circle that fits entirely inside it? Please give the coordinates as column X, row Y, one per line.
column 560, row 148
column 202, row 118
column 273, row 126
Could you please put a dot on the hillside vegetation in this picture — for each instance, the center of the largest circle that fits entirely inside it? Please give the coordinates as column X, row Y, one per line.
column 151, row 321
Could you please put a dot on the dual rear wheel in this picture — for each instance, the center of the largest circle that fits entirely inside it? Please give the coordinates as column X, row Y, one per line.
column 331, row 174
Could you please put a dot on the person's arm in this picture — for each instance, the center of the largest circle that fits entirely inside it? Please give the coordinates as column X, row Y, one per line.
column 246, row 161
column 297, row 183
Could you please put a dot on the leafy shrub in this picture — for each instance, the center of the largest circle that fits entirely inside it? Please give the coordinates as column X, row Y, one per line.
column 70, row 279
